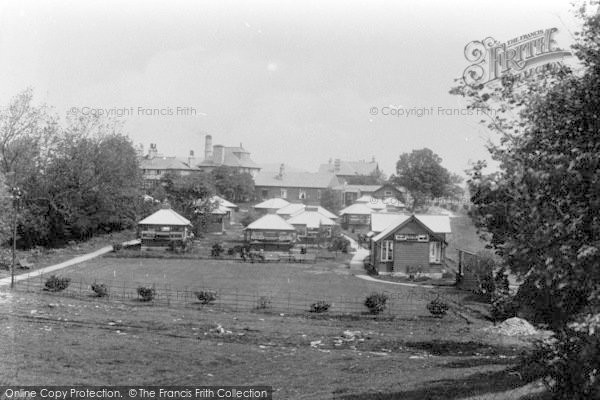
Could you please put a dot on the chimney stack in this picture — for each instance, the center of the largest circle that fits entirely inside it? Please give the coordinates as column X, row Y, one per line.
column 218, row 154
column 152, row 151
column 337, row 165
column 191, row 159
column 281, row 171
column 208, row 148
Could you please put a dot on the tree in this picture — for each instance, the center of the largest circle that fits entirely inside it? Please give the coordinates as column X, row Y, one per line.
column 190, row 195
column 75, row 181
column 331, row 200
column 232, row 184
column 540, row 210
column 423, row 176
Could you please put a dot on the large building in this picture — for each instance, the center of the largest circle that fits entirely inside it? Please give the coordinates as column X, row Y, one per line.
column 218, row 155
column 154, row 166
column 353, row 172
column 303, row 187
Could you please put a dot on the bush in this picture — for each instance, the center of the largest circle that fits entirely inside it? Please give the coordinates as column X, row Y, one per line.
column 206, row 296
column 145, row 293
column 56, row 284
column 320, row 306
column 437, row 308
column 263, row 303
column 569, row 362
column 216, row 250
column 100, row 289
column 117, row 246
column 376, row 302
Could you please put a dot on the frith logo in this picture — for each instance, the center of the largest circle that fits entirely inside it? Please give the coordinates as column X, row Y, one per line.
column 524, row 55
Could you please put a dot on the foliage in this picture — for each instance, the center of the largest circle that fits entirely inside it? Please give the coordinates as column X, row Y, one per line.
column 249, row 218
column 263, row 303
column 339, row 243
column 331, row 200
column 117, row 246
column 206, row 296
column 568, row 362
column 540, row 209
column 76, row 179
column 482, row 267
column 232, row 184
column 217, row 250
column 145, row 293
column 422, row 174
column 56, row 284
column 100, row 289
column 437, row 307
column 504, row 305
column 319, row 306
column 376, row 302
column 190, row 196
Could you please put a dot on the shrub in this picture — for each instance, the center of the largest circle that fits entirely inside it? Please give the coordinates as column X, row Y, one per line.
column 263, row 303
column 320, row 306
column 100, row 289
column 56, row 284
column 145, row 293
column 216, row 250
column 376, row 302
column 569, row 362
column 437, row 307
column 117, row 246
column 206, row 296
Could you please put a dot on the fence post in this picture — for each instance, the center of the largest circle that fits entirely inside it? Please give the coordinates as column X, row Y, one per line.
column 236, row 299
column 289, row 299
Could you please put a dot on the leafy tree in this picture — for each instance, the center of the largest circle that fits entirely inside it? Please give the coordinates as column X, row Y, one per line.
column 232, row 184
column 540, row 210
column 331, row 200
column 423, row 176
column 189, row 195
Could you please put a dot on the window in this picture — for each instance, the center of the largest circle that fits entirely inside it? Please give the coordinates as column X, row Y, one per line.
column 387, row 250
column 283, row 194
column 302, row 194
column 435, row 252
column 319, row 194
column 264, row 193
column 388, row 193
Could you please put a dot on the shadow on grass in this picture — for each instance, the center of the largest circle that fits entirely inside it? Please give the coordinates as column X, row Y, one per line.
column 491, row 384
column 477, row 362
column 450, row 348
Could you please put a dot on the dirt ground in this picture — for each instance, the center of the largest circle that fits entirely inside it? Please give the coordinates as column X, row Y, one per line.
column 52, row 339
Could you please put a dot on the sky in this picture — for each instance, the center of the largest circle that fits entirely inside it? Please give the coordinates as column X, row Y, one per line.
column 295, row 82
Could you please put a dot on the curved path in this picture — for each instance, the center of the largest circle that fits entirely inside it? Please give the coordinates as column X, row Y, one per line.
column 68, row 263
column 370, row 278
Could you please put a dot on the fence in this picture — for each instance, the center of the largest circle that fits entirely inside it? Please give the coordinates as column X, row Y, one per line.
column 405, row 303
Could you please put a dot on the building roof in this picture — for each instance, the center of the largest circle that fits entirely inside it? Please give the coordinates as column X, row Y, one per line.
column 165, row 216
column 222, row 202
column 221, row 210
column 355, row 168
column 434, row 223
column 312, row 219
column 357, row 208
column 270, row 222
column 232, row 157
column 296, row 208
column 296, row 179
column 164, row 163
column 274, row 204
column 358, row 188
column 380, row 204
column 380, row 221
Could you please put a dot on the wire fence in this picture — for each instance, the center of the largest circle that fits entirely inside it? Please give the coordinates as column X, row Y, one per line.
column 406, row 303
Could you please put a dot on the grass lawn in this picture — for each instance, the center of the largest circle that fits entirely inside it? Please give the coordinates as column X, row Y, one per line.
column 290, row 287
column 52, row 339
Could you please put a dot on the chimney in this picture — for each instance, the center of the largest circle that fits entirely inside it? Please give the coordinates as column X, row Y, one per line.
column 337, row 165
column 152, row 151
column 191, row 159
column 218, row 154
column 208, row 149
column 281, row 171
column 373, row 159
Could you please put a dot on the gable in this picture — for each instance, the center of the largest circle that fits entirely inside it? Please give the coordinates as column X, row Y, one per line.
column 410, row 227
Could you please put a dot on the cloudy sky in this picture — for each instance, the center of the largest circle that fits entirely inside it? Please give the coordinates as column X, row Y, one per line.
column 294, row 82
